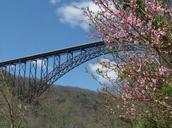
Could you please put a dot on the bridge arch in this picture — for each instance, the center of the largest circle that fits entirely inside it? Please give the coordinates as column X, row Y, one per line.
column 33, row 75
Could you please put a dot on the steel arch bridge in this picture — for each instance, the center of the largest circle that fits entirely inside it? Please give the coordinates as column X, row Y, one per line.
column 33, row 75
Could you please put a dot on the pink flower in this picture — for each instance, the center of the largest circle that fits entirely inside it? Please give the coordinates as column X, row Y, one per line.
column 154, row 81
column 129, row 19
column 162, row 71
column 142, row 82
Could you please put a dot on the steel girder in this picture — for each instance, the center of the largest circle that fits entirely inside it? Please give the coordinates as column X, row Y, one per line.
column 33, row 75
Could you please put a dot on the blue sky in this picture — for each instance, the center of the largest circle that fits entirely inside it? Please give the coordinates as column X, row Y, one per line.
column 28, row 27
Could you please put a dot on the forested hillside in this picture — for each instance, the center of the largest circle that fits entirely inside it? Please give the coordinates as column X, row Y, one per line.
column 67, row 107
column 58, row 107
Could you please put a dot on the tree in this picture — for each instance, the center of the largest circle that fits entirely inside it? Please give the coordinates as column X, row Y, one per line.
column 11, row 109
column 145, row 73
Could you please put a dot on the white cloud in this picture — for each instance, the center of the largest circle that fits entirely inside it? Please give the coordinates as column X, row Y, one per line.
column 54, row 2
column 107, row 75
column 39, row 63
column 72, row 14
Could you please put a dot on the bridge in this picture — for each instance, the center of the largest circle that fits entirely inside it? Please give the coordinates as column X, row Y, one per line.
column 33, row 75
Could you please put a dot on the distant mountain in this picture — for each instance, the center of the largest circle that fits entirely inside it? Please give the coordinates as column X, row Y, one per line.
column 64, row 107
column 69, row 107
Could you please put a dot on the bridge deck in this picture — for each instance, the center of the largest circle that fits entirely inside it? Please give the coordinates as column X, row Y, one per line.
column 55, row 52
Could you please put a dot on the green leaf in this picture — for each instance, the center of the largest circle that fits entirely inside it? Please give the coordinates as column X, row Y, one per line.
column 166, row 91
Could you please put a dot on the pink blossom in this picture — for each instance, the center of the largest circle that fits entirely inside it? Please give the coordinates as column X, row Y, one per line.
column 162, row 71
column 143, row 73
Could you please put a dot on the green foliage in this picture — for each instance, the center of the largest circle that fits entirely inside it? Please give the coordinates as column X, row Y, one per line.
column 166, row 91
column 140, row 9
column 159, row 21
column 152, row 123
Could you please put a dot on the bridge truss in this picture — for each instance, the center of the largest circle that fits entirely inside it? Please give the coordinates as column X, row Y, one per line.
column 33, row 75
